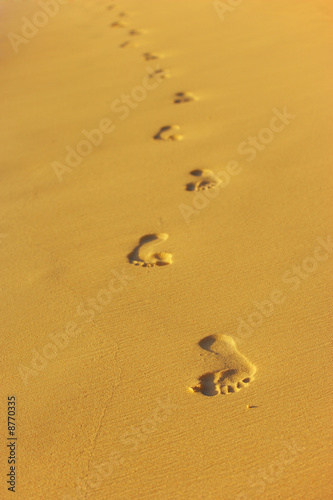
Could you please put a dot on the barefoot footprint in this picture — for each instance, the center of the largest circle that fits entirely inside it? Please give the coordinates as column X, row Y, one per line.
column 167, row 133
column 128, row 44
column 159, row 74
column 136, row 32
column 227, row 369
column 118, row 24
column 144, row 255
column 207, row 180
column 149, row 56
column 181, row 97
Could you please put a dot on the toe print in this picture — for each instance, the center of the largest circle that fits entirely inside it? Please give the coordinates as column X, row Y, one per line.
column 181, row 97
column 144, row 254
column 207, row 180
column 228, row 371
column 167, row 133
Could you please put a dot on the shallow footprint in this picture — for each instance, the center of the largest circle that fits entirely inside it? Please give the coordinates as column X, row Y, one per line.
column 144, row 255
column 159, row 74
column 181, row 97
column 118, row 24
column 167, row 133
column 129, row 44
column 227, row 370
column 207, row 180
column 150, row 56
column 136, row 32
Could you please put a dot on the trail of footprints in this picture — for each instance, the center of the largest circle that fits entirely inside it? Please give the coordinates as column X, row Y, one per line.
column 226, row 370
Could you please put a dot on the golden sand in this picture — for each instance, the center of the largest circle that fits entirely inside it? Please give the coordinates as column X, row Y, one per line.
column 191, row 138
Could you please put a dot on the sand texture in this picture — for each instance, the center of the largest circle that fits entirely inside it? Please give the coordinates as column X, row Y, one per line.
column 166, row 249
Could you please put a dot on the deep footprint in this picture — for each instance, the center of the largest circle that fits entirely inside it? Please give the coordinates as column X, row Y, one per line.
column 207, row 180
column 144, row 255
column 181, row 97
column 167, row 133
column 227, row 370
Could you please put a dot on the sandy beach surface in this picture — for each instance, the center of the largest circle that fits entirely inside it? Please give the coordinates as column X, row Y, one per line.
column 166, row 249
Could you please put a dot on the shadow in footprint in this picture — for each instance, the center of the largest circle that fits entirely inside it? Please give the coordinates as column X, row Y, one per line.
column 207, row 384
column 207, row 343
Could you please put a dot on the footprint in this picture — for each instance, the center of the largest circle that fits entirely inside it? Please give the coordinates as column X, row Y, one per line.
column 143, row 254
column 207, row 180
column 159, row 74
column 118, row 24
column 181, row 97
column 128, row 44
column 150, row 56
column 167, row 134
column 136, row 32
column 227, row 369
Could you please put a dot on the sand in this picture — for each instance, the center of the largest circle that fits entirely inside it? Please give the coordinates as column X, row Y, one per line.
column 166, row 249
